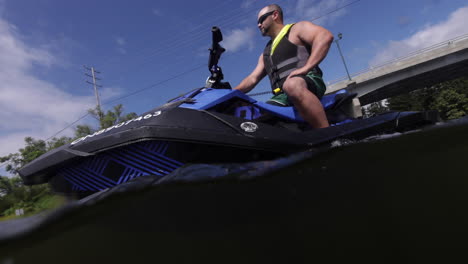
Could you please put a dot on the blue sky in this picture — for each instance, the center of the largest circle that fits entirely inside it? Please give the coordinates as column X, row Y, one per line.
column 151, row 51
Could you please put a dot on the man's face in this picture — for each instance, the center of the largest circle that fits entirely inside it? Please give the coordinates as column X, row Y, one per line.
column 264, row 21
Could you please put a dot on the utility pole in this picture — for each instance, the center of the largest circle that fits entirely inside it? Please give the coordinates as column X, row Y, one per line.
column 95, row 85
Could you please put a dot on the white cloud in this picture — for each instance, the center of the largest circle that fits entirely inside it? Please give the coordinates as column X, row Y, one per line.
column 121, row 50
column 453, row 27
column 247, row 4
column 156, row 12
column 30, row 106
column 312, row 9
column 238, row 39
column 108, row 93
column 120, row 41
column 15, row 55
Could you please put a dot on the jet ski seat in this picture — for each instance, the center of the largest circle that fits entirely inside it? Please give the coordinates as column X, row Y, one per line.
column 332, row 103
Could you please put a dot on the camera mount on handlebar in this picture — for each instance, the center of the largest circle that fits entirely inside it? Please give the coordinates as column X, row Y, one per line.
column 214, row 81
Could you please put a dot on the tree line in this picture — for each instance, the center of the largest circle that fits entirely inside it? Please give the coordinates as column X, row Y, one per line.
column 449, row 98
column 15, row 195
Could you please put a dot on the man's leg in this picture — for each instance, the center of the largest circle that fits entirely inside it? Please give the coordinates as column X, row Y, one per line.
column 309, row 106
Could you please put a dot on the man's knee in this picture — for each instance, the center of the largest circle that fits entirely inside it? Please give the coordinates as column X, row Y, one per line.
column 294, row 86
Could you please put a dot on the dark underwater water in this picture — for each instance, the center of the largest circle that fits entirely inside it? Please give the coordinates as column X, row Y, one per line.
column 399, row 198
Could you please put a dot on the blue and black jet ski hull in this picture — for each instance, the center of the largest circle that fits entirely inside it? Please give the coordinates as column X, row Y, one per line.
column 204, row 126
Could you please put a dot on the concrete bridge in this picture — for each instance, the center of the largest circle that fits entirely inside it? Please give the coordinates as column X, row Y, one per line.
column 426, row 67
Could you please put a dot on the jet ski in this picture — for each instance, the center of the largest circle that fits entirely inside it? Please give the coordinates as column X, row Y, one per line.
column 211, row 124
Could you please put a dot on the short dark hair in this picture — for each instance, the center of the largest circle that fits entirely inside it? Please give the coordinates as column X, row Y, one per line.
column 276, row 7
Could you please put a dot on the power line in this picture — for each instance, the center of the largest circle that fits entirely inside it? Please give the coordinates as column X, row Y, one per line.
column 198, row 34
column 175, row 42
column 68, row 126
column 128, row 95
column 160, row 82
column 335, row 10
column 156, row 84
column 175, row 37
column 260, row 93
column 177, row 45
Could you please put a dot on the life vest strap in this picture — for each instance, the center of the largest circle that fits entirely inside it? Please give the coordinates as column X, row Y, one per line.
column 280, row 36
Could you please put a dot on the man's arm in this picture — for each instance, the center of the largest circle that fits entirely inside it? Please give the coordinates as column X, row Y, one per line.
column 319, row 39
column 254, row 78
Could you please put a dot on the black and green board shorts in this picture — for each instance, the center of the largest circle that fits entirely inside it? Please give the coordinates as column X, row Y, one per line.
column 315, row 84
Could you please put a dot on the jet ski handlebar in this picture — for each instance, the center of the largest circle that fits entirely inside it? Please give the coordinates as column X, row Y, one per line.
column 214, row 81
column 216, row 50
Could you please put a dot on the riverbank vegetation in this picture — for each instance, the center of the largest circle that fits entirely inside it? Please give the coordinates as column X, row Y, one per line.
column 449, row 98
column 14, row 195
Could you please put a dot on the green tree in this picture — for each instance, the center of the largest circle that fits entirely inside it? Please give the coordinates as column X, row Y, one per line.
column 57, row 142
column 111, row 117
column 36, row 147
column 449, row 98
column 8, row 185
column 83, row 130
column 14, row 195
column 451, row 103
column 32, row 150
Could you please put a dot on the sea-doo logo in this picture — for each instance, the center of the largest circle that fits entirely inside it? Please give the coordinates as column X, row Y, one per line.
column 136, row 119
column 249, row 127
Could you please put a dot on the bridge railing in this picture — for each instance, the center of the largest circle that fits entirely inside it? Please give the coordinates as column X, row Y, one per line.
column 409, row 55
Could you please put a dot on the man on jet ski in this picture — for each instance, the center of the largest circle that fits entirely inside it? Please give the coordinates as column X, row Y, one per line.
column 291, row 60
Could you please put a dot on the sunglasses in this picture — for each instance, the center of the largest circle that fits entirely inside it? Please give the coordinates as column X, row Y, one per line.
column 264, row 16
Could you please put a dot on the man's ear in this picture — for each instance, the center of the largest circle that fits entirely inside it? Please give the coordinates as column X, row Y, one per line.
column 276, row 15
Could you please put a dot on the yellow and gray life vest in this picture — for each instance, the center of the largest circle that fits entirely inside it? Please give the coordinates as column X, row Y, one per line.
column 281, row 57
